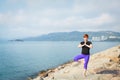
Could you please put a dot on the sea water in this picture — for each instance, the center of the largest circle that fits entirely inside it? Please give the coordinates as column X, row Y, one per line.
column 19, row 60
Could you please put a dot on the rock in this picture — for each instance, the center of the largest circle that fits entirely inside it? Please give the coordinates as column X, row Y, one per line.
column 104, row 65
column 115, row 78
column 100, row 77
column 37, row 78
column 43, row 74
column 29, row 78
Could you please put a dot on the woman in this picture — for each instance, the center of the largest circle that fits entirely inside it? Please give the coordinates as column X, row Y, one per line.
column 85, row 53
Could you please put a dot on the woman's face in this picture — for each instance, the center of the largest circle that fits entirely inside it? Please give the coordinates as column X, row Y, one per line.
column 85, row 38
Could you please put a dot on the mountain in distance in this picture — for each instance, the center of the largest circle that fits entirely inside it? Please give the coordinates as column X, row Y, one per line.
column 76, row 36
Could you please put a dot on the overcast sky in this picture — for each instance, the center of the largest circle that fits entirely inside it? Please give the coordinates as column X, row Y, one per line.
column 24, row 18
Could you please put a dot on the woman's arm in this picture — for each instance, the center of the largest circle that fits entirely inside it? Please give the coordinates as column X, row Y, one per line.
column 90, row 46
column 79, row 46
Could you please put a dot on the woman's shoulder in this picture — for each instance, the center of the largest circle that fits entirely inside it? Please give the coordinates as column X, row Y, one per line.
column 81, row 42
column 90, row 42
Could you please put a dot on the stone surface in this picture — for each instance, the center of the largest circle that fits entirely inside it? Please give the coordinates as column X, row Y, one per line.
column 104, row 65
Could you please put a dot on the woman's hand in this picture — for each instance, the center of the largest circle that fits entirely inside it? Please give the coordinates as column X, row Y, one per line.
column 90, row 46
column 79, row 46
column 85, row 44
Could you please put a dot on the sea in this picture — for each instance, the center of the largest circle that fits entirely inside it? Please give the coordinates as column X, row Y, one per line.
column 20, row 60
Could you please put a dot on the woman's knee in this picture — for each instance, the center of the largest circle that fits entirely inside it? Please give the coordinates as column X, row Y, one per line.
column 75, row 59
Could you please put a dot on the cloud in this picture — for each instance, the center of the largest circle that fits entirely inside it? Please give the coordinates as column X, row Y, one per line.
column 23, row 19
column 10, row 19
column 79, row 21
column 93, row 5
column 34, row 17
column 97, row 21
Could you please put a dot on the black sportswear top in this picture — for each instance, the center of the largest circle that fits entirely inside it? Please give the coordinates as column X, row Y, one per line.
column 85, row 49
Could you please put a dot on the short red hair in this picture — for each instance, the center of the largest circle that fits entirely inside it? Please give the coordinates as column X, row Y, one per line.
column 85, row 36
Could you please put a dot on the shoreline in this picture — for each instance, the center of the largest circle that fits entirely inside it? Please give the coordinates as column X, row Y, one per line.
column 100, row 63
column 49, row 70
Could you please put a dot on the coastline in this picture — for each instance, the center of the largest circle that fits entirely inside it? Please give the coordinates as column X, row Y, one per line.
column 104, row 65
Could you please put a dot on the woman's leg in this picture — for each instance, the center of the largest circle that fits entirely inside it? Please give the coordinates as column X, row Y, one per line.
column 86, row 59
column 76, row 58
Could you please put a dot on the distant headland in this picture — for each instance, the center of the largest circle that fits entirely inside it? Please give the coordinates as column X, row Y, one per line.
column 75, row 36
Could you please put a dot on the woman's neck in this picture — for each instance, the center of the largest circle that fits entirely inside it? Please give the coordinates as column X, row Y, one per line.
column 86, row 41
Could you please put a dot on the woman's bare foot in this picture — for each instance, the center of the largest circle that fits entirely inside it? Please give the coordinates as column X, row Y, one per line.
column 85, row 73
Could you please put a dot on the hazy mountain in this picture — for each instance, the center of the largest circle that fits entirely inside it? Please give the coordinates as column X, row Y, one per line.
column 73, row 36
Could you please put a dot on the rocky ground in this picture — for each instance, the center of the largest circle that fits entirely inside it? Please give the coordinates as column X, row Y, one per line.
column 104, row 65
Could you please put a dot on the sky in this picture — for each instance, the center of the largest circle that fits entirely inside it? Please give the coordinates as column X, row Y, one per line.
column 26, row 18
